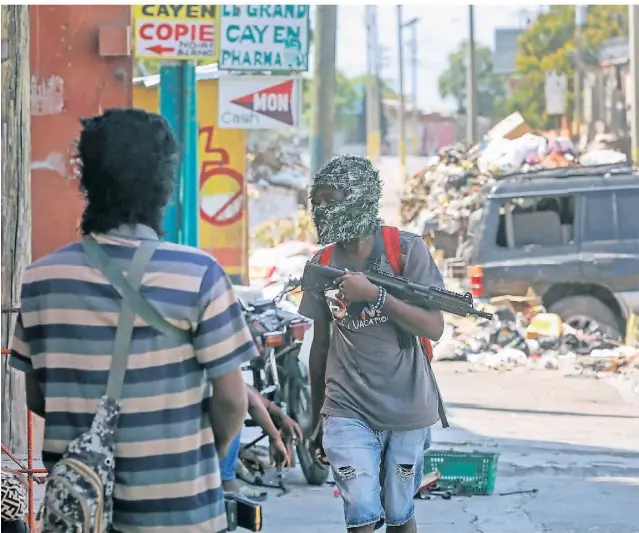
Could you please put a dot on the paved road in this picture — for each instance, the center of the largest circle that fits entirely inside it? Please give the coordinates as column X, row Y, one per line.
column 574, row 439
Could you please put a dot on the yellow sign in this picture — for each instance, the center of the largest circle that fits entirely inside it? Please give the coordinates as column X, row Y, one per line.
column 176, row 31
column 223, row 226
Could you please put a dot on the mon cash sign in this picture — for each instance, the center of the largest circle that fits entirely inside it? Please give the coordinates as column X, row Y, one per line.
column 176, row 31
column 264, row 37
column 259, row 102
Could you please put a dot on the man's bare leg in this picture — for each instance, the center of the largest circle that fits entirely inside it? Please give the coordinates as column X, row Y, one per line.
column 408, row 527
column 363, row 529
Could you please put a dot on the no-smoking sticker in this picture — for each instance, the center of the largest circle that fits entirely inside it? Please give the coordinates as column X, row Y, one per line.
column 221, row 196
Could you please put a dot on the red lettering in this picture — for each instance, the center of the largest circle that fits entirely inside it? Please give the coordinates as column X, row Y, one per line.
column 206, row 33
column 209, row 148
column 143, row 31
column 164, row 32
column 181, row 30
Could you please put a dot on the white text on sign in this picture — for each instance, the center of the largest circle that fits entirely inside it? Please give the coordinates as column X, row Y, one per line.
column 176, row 31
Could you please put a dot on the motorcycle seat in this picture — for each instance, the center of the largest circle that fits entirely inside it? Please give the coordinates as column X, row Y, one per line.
column 261, row 304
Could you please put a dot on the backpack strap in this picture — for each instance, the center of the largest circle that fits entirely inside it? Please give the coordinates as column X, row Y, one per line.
column 325, row 255
column 393, row 248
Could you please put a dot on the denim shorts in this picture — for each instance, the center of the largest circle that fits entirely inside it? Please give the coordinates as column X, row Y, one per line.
column 377, row 473
column 227, row 463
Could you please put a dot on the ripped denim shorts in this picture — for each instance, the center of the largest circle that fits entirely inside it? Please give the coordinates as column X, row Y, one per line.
column 377, row 472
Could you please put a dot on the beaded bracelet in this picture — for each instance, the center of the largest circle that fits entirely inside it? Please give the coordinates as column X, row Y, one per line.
column 381, row 299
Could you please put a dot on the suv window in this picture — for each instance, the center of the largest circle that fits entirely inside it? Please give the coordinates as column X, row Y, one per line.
column 536, row 221
column 628, row 221
column 599, row 223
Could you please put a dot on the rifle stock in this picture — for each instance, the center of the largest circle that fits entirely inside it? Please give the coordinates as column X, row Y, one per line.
column 317, row 278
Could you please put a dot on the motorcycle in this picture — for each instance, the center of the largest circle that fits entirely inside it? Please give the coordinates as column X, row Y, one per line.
column 283, row 338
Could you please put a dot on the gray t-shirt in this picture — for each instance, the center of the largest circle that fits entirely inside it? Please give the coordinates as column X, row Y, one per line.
column 371, row 374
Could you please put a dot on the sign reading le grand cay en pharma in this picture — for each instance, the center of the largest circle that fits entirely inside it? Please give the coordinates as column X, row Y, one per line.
column 264, row 37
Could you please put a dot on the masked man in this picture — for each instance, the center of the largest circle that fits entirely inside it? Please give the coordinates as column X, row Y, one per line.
column 370, row 379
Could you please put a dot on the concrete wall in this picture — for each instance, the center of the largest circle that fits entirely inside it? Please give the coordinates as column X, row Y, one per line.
column 69, row 80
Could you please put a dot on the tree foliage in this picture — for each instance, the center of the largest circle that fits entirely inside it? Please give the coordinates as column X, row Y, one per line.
column 490, row 86
column 345, row 100
column 548, row 44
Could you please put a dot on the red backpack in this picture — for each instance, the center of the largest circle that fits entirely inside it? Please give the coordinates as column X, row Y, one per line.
column 392, row 246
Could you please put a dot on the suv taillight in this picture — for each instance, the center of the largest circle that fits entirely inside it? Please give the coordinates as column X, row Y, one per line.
column 476, row 278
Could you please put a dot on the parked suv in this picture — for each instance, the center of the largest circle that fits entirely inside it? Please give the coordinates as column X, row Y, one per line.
column 572, row 234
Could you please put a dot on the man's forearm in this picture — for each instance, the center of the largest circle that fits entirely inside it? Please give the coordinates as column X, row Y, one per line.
column 317, row 370
column 258, row 409
column 227, row 419
column 413, row 319
column 259, row 413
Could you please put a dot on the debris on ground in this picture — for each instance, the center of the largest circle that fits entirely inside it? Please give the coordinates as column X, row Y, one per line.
column 298, row 227
column 277, row 162
column 523, row 334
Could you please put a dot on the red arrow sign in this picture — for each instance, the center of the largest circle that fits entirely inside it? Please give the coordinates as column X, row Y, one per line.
column 159, row 49
column 274, row 102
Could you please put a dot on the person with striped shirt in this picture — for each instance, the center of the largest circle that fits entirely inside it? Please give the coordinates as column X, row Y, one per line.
column 182, row 404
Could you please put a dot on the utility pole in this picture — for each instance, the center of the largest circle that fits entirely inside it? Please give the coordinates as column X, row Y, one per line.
column 401, row 140
column 373, row 120
column 323, row 109
column 471, row 82
column 412, row 24
column 16, row 207
column 633, row 17
column 581, row 14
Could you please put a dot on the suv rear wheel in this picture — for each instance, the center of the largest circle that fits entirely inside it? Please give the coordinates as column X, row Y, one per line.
column 579, row 311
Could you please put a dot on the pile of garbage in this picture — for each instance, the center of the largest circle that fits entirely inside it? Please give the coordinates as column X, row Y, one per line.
column 277, row 161
column 524, row 334
column 440, row 198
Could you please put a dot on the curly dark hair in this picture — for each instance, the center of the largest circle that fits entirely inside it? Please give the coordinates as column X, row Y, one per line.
column 127, row 160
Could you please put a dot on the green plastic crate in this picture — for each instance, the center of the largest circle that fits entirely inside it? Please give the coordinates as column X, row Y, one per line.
column 475, row 471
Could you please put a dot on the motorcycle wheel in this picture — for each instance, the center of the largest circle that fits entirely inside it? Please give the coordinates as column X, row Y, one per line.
column 300, row 408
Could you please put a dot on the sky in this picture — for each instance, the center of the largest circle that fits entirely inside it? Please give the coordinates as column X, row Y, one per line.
column 440, row 30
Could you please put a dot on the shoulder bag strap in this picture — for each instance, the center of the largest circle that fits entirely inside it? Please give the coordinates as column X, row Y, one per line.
column 126, row 320
column 140, row 306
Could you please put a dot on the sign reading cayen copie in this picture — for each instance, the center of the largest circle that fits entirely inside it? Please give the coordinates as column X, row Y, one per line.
column 176, row 31
column 264, row 37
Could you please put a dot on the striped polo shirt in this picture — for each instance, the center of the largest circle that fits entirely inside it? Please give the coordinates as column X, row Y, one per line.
column 167, row 472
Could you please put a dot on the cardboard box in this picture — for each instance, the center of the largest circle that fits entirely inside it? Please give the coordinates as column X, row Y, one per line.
column 512, row 127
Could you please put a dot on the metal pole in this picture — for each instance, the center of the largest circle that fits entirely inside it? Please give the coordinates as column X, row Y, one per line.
column 414, row 80
column 401, row 140
column 190, row 167
column 471, row 82
column 633, row 36
column 321, row 142
column 178, row 103
column 170, row 108
column 581, row 13
column 373, row 122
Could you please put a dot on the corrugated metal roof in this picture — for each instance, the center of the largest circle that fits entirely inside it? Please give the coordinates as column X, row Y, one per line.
column 202, row 72
column 614, row 51
column 207, row 72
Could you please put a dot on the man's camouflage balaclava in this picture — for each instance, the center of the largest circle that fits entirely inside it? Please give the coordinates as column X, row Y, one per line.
column 357, row 214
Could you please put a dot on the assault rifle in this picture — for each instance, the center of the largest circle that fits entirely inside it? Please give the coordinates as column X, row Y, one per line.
column 317, row 278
